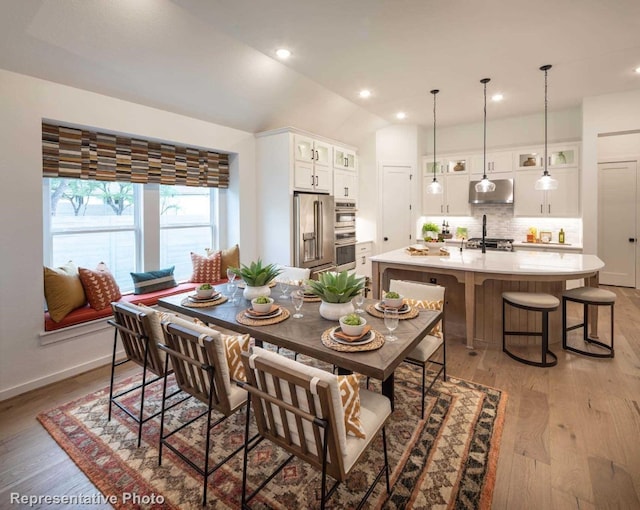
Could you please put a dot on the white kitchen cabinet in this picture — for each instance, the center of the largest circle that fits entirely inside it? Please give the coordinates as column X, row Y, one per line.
column 313, row 170
column 497, row 162
column 345, row 159
column 345, row 185
column 453, row 201
column 364, row 251
column 563, row 202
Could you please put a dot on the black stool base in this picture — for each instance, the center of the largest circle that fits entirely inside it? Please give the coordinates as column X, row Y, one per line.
column 552, row 363
column 609, row 352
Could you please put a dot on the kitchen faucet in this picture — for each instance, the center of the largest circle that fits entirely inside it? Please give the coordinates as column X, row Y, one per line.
column 484, row 232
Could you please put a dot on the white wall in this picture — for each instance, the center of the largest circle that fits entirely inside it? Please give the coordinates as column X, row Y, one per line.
column 24, row 102
column 608, row 114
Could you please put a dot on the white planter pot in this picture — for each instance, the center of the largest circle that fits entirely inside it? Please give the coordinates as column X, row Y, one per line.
column 333, row 311
column 254, row 292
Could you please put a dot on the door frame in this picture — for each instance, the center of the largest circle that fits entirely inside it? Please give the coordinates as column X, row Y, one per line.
column 627, row 159
column 415, row 187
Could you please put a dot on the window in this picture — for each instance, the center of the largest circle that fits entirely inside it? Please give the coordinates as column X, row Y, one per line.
column 186, row 225
column 98, row 221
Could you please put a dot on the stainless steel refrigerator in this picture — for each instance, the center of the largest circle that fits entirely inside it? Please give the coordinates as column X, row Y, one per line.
column 313, row 231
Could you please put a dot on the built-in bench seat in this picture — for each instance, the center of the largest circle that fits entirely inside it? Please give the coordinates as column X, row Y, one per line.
column 88, row 314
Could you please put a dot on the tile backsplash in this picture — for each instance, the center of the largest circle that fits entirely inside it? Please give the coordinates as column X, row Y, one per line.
column 502, row 223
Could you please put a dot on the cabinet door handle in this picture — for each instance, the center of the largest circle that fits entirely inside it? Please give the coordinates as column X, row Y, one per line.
column 442, row 208
column 317, row 156
column 447, row 207
column 363, row 259
column 549, row 209
column 541, row 209
column 316, row 180
column 632, row 239
column 312, row 181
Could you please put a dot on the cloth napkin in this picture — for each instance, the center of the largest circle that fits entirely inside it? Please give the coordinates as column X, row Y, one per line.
column 348, row 338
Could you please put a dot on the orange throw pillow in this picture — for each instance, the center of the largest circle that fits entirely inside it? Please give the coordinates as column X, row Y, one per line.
column 206, row 269
column 100, row 287
column 350, row 395
column 63, row 290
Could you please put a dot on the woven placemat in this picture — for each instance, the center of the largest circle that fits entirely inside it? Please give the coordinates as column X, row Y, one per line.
column 241, row 318
column 242, row 285
column 203, row 304
column 311, row 299
column 371, row 310
column 329, row 342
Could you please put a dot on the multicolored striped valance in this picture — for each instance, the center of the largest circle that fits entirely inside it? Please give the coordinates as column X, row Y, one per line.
column 84, row 154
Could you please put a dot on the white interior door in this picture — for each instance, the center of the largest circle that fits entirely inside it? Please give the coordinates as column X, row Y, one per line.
column 617, row 228
column 396, row 207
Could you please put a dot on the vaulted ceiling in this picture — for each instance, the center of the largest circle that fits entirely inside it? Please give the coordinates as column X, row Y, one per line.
column 215, row 59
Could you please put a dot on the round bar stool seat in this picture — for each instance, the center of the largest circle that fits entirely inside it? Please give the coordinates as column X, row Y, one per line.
column 587, row 296
column 533, row 302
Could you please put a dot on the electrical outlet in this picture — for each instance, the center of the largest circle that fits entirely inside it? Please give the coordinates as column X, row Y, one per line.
column 433, row 280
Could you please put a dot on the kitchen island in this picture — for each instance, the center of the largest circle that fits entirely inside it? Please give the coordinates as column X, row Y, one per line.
column 475, row 282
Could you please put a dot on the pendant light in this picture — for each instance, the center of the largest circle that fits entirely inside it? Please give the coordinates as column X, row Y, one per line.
column 435, row 188
column 485, row 185
column 546, row 182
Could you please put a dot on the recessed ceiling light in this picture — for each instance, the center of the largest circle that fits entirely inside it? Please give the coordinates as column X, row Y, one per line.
column 497, row 97
column 365, row 93
column 283, row 53
column 401, row 115
column 637, row 70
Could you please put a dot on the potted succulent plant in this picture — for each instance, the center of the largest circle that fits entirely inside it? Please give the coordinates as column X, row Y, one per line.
column 257, row 278
column 336, row 291
column 430, row 231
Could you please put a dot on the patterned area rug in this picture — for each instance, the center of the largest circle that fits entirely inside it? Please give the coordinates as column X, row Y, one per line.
column 445, row 461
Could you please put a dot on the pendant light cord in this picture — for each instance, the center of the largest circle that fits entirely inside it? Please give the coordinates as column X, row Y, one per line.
column 484, row 144
column 545, row 68
column 434, row 92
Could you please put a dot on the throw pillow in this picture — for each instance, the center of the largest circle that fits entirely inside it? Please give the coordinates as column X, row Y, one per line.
column 234, row 345
column 100, row 287
column 153, row 280
column 429, row 305
column 230, row 258
column 350, row 393
column 63, row 290
column 206, row 269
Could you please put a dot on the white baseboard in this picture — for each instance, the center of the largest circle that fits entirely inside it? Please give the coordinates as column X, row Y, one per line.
column 57, row 376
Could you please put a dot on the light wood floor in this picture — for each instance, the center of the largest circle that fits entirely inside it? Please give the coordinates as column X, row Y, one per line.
column 571, row 437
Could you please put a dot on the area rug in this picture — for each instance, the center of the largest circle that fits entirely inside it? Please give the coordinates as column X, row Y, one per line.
column 447, row 460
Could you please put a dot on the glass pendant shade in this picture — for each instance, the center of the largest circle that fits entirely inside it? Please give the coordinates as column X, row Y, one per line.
column 435, row 188
column 546, row 183
column 485, row 185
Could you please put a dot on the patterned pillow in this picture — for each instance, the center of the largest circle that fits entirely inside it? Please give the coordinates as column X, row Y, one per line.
column 234, row 345
column 206, row 269
column 428, row 305
column 100, row 286
column 63, row 290
column 350, row 394
column 230, row 258
column 153, row 280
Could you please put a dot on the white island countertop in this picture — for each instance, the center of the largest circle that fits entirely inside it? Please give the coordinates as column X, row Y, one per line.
column 529, row 263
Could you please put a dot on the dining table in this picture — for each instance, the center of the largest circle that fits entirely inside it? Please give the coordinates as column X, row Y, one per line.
column 304, row 335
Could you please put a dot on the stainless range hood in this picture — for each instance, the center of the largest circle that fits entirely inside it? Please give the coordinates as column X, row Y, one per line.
column 503, row 193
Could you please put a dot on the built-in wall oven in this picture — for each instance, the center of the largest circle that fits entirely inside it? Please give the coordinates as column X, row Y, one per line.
column 345, row 235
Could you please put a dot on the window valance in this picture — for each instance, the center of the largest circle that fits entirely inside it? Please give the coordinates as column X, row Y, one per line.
column 84, row 154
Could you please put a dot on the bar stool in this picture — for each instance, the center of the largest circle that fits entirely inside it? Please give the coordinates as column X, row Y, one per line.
column 587, row 296
column 533, row 302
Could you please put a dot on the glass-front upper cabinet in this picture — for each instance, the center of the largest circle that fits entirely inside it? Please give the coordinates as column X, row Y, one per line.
column 344, row 158
column 312, row 151
column 558, row 156
column 456, row 164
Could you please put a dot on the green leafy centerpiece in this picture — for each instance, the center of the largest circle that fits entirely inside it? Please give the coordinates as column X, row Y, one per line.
column 257, row 277
column 336, row 291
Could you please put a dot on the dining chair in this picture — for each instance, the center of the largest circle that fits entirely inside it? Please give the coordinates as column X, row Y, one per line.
column 139, row 330
column 291, row 273
column 426, row 295
column 300, row 409
column 200, row 367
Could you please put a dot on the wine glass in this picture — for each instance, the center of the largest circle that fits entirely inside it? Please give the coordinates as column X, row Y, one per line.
column 391, row 322
column 231, row 276
column 297, row 298
column 283, row 285
column 232, row 287
column 358, row 301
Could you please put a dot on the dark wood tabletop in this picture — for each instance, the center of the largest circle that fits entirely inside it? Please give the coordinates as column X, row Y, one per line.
column 304, row 335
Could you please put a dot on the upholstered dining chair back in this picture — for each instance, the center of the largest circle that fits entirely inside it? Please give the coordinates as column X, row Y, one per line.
column 196, row 365
column 291, row 274
column 138, row 336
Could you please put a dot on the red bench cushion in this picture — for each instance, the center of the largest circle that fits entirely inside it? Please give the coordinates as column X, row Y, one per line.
column 87, row 314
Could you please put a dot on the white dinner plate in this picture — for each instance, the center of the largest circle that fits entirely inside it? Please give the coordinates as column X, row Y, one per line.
column 196, row 299
column 365, row 340
column 405, row 308
column 271, row 315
